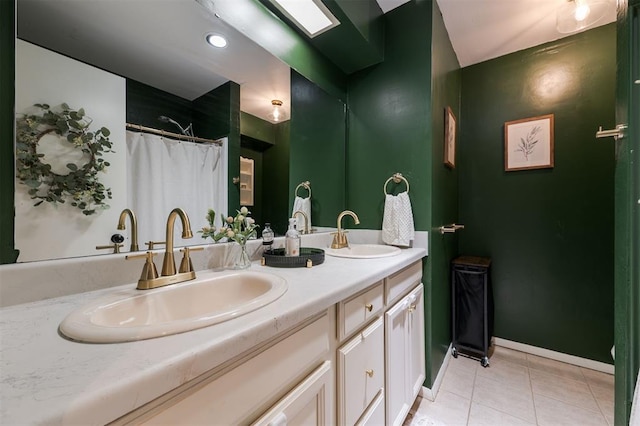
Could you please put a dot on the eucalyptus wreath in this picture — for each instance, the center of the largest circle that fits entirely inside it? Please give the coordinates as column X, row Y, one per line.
column 81, row 185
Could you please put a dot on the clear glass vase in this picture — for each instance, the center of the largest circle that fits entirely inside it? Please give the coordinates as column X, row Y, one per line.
column 242, row 261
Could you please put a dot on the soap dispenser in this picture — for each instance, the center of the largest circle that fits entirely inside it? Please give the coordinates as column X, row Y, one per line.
column 292, row 239
column 267, row 236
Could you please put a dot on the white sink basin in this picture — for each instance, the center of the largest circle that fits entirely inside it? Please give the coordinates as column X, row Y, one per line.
column 364, row 251
column 211, row 298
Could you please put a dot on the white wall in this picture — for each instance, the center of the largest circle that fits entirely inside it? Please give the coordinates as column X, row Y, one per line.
column 56, row 231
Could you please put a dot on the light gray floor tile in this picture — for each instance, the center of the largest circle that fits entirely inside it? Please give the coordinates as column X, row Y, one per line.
column 551, row 412
column 510, row 355
column 481, row 415
column 555, row 367
column 598, row 378
column 563, row 389
column 510, row 374
column 514, row 401
column 459, row 381
column 517, row 389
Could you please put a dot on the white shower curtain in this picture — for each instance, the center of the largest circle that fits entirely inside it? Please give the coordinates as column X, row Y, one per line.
column 164, row 173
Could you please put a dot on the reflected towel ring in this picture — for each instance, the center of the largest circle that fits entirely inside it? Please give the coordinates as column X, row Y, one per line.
column 306, row 185
column 397, row 177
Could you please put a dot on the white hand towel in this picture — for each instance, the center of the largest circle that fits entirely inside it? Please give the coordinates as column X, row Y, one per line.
column 397, row 221
column 303, row 205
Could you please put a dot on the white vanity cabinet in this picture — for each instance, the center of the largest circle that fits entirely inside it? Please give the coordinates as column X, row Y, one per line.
column 404, row 344
column 360, row 362
column 380, row 369
column 291, row 377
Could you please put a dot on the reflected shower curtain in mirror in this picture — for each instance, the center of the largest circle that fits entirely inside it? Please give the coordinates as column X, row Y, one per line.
column 164, row 173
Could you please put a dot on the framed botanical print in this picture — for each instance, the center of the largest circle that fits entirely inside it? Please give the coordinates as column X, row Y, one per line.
column 528, row 143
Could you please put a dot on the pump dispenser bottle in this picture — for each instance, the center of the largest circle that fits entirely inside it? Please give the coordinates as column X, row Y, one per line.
column 292, row 239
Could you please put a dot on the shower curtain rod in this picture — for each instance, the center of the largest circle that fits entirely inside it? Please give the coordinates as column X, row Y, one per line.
column 173, row 135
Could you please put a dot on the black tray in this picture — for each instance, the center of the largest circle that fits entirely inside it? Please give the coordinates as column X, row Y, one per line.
column 308, row 257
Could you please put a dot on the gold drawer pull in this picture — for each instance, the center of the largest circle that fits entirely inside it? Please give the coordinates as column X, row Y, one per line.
column 369, row 373
column 369, row 307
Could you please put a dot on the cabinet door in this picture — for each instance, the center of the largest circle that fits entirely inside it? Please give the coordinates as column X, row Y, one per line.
column 360, row 372
column 416, row 351
column 307, row 404
column 404, row 349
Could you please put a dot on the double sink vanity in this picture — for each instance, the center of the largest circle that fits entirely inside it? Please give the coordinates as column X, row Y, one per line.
column 338, row 343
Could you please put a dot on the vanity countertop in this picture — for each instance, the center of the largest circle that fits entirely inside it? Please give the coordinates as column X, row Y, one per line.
column 47, row 379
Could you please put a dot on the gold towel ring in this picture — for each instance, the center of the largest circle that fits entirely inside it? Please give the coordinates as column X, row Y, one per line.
column 306, row 185
column 397, row 177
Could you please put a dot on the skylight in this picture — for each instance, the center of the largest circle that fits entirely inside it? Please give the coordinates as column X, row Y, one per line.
column 312, row 16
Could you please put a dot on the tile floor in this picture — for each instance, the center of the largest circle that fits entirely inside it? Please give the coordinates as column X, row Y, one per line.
column 517, row 389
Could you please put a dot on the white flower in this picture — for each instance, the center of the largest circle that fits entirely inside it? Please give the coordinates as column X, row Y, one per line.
column 244, row 211
column 230, row 233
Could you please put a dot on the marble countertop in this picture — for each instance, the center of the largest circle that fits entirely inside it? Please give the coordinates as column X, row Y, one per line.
column 47, row 379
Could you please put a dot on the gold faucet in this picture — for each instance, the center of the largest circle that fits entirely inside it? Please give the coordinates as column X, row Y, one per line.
column 148, row 278
column 340, row 237
column 134, row 227
column 306, row 221
column 169, row 263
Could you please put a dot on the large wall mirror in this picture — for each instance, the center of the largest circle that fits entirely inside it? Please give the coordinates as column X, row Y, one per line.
column 137, row 61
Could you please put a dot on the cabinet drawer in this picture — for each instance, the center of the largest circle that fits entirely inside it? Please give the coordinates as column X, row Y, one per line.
column 375, row 414
column 307, row 404
column 360, row 372
column 241, row 394
column 356, row 311
column 402, row 281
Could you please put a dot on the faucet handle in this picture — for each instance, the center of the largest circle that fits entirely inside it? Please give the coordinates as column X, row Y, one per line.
column 149, row 271
column 114, row 246
column 151, row 244
column 186, row 265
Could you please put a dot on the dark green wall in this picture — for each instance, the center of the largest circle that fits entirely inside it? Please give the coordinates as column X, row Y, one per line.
column 276, row 172
column 445, row 92
column 396, row 124
column 627, row 211
column 317, row 150
column 549, row 232
column 7, row 94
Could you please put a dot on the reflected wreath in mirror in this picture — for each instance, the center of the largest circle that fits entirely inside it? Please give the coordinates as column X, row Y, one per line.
column 58, row 158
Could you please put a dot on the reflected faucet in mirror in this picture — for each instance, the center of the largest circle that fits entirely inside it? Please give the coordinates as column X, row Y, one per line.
column 340, row 237
column 306, row 221
column 134, row 227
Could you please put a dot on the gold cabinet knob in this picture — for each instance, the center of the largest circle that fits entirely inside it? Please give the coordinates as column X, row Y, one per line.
column 369, row 373
column 369, row 307
column 412, row 308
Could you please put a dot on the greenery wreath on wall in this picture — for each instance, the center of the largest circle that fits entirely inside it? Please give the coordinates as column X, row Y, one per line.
column 81, row 184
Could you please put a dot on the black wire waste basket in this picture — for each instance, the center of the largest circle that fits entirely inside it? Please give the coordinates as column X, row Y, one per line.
column 471, row 307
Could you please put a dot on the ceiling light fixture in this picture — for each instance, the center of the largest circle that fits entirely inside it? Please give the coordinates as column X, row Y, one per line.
column 277, row 114
column 312, row 16
column 577, row 15
column 216, row 40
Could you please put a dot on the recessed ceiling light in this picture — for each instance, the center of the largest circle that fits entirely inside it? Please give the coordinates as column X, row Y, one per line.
column 216, row 40
column 312, row 16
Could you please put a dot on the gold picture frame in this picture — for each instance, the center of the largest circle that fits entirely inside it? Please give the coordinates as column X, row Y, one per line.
column 528, row 143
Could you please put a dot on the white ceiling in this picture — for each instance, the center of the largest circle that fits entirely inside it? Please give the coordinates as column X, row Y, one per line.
column 485, row 29
column 166, row 48
column 163, row 47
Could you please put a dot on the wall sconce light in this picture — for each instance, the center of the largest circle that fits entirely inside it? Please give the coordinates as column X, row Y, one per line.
column 277, row 114
column 577, row 15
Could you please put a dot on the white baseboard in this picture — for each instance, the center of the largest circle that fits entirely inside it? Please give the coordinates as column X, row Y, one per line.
column 558, row 356
column 431, row 393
